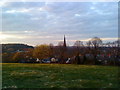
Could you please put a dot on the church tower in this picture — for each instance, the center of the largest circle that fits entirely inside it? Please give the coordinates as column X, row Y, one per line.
column 64, row 41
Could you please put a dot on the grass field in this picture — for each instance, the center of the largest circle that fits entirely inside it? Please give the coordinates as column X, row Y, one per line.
column 58, row 76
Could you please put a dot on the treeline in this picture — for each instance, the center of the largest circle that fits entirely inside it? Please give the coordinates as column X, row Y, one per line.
column 9, row 48
column 92, row 52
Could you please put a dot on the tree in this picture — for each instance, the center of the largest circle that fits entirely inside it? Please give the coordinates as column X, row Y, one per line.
column 18, row 56
column 78, row 45
column 5, row 57
column 41, row 51
column 29, row 53
column 62, row 52
column 61, row 43
column 96, row 42
column 52, row 52
column 88, row 43
column 116, row 43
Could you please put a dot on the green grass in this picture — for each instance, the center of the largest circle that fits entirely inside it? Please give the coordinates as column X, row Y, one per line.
column 58, row 76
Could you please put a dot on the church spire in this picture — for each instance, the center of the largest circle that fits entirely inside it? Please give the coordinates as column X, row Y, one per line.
column 64, row 41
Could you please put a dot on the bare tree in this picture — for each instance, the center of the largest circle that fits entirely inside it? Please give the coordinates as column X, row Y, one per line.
column 78, row 44
column 61, row 43
column 88, row 44
column 62, row 51
column 116, row 43
column 96, row 42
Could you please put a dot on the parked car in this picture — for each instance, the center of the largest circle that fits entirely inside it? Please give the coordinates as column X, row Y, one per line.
column 46, row 61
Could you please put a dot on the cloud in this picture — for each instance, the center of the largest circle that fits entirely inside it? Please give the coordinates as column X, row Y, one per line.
column 29, row 31
column 18, row 11
column 11, row 36
column 35, row 18
column 109, row 39
column 3, row 3
column 77, row 20
column 77, row 15
column 44, row 8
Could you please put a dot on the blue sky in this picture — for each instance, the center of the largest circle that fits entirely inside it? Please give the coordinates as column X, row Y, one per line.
column 36, row 23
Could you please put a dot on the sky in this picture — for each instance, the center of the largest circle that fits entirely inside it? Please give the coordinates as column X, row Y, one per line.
column 35, row 23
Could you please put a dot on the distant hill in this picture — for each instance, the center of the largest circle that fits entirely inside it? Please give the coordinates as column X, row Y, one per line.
column 9, row 48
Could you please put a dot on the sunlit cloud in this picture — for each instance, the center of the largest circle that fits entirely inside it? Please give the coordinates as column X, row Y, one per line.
column 29, row 31
column 35, row 18
column 110, row 39
column 88, row 39
column 5, row 36
column 3, row 3
column 11, row 36
column 92, row 8
column 41, row 9
column 77, row 15
column 19, row 11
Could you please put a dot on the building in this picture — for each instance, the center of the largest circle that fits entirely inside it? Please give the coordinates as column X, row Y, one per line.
column 64, row 41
